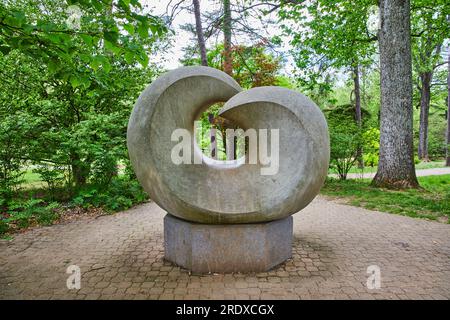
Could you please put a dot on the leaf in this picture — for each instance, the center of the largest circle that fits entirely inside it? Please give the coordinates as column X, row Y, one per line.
column 100, row 5
column 106, row 66
column 53, row 37
column 129, row 28
column 96, row 63
column 5, row 49
column 111, row 36
column 75, row 81
column 16, row 19
column 143, row 29
column 84, row 57
column 53, row 65
column 142, row 58
column 80, row 80
column 124, row 4
column 87, row 39
column 129, row 57
column 113, row 48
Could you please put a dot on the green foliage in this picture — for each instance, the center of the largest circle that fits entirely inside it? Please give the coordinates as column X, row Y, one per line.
column 61, row 34
column 430, row 22
column 3, row 226
column 80, row 133
column 12, row 135
column 416, row 159
column 21, row 214
column 53, row 176
column 371, row 146
column 327, row 35
column 346, row 137
column 252, row 65
column 121, row 194
column 65, row 98
column 437, row 124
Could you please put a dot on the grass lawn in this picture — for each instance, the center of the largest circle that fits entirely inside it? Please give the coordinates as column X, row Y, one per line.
column 430, row 202
column 31, row 180
column 419, row 166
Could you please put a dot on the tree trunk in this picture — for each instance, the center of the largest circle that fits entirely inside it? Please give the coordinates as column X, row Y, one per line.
column 80, row 171
column 396, row 162
column 357, row 95
column 228, row 62
column 447, row 149
column 358, row 117
column 212, row 137
column 425, row 92
column 199, row 30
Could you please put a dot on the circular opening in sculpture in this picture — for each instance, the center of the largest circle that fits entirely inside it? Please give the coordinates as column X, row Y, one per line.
column 218, row 139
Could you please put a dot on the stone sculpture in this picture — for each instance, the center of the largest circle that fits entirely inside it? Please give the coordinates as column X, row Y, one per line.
column 222, row 217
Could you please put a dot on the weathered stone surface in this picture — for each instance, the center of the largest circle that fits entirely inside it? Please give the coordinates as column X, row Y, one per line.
column 205, row 248
column 203, row 192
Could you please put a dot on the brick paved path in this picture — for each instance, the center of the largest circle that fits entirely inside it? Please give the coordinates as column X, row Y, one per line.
column 121, row 256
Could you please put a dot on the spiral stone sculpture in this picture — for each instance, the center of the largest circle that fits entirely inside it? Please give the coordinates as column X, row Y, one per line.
column 213, row 199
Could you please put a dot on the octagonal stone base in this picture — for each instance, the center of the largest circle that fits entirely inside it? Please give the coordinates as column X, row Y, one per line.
column 205, row 248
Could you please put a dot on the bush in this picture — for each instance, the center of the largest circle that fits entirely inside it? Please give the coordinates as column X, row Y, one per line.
column 416, row 159
column 23, row 214
column 13, row 147
column 52, row 175
column 3, row 226
column 371, row 146
column 121, row 194
column 346, row 138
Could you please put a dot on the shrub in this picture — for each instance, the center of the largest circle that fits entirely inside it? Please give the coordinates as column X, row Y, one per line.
column 23, row 214
column 12, row 131
column 52, row 175
column 3, row 226
column 121, row 194
column 346, row 138
column 416, row 159
column 371, row 146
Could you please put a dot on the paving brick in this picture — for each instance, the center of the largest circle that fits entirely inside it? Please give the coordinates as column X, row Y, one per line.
column 121, row 257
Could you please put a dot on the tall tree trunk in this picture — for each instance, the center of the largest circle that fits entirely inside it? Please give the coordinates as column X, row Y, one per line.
column 447, row 149
column 357, row 95
column 199, row 30
column 358, row 117
column 396, row 163
column 425, row 93
column 228, row 62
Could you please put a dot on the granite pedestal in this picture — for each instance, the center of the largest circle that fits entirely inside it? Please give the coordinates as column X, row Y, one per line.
column 224, row 248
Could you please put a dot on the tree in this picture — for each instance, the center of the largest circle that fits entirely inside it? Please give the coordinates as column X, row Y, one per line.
column 429, row 29
column 346, row 137
column 80, row 128
column 396, row 161
column 227, row 61
column 447, row 142
column 44, row 31
column 334, row 36
column 199, row 31
column 80, row 92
